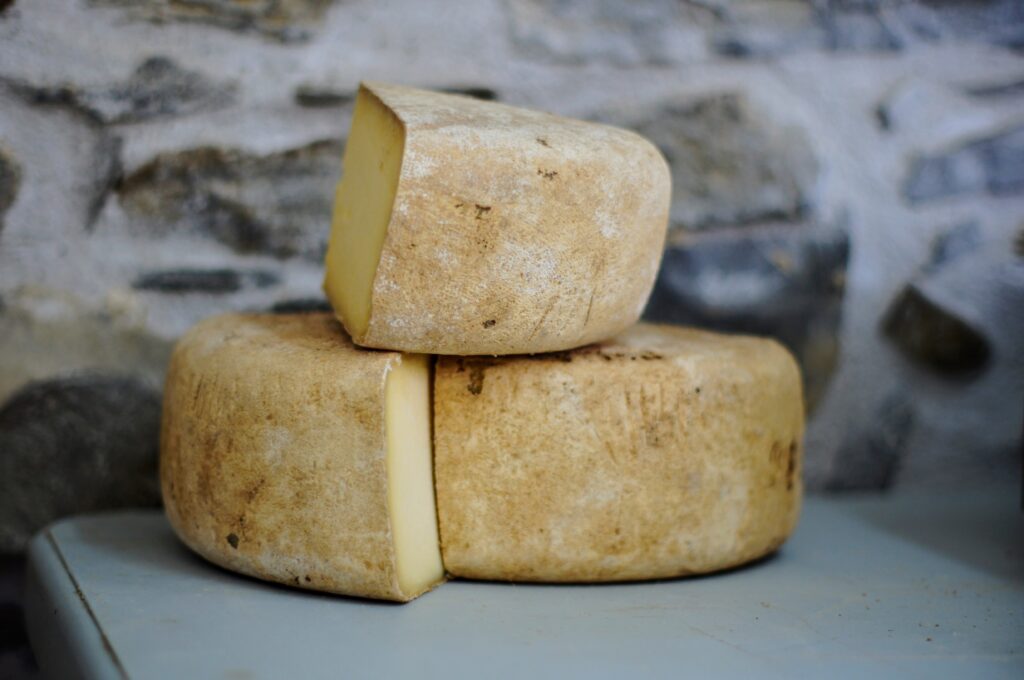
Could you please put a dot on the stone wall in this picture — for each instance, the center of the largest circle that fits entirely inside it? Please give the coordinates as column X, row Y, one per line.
column 848, row 176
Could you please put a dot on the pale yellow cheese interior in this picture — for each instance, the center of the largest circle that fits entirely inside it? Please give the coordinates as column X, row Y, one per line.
column 362, row 209
column 411, row 475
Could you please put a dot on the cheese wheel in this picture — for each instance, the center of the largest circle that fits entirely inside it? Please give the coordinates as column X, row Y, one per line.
column 662, row 452
column 470, row 227
column 291, row 455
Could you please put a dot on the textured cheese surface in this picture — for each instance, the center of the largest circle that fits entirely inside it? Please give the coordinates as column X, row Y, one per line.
column 659, row 453
column 275, row 455
column 511, row 231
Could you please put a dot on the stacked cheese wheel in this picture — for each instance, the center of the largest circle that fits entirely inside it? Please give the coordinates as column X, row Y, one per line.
column 483, row 404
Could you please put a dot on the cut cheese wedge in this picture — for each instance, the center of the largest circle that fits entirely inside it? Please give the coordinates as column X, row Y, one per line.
column 469, row 227
column 291, row 455
column 662, row 452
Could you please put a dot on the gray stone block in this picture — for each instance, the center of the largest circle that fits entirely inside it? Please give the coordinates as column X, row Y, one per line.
column 157, row 88
column 277, row 204
column 10, row 182
column 787, row 283
column 730, row 166
column 284, row 20
column 210, row 281
column 994, row 165
column 73, row 445
column 934, row 337
column 639, row 33
column 869, row 459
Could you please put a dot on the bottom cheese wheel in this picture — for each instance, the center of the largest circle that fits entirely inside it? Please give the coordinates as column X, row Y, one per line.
column 660, row 453
column 289, row 454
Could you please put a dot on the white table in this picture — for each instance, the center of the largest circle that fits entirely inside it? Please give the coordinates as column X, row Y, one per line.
column 927, row 586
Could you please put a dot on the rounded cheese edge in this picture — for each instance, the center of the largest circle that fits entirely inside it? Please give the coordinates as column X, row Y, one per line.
column 673, row 452
column 251, row 470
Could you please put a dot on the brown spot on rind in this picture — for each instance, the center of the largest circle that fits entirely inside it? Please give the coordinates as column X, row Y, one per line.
column 254, row 491
column 481, row 210
column 596, row 350
column 590, row 307
column 791, row 466
column 540, row 322
column 476, row 379
column 233, row 541
column 543, row 142
column 547, row 174
column 490, row 323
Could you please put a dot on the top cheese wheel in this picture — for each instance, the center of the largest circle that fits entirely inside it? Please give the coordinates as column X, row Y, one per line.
column 469, row 227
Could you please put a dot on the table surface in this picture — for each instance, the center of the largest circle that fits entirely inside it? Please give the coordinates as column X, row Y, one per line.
column 907, row 586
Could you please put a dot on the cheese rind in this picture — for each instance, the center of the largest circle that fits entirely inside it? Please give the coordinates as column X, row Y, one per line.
column 279, row 442
column 509, row 231
column 662, row 452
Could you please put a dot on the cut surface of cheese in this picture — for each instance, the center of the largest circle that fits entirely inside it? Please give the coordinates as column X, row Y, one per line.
column 289, row 454
column 661, row 452
column 469, row 227
column 363, row 202
column 411, row 474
